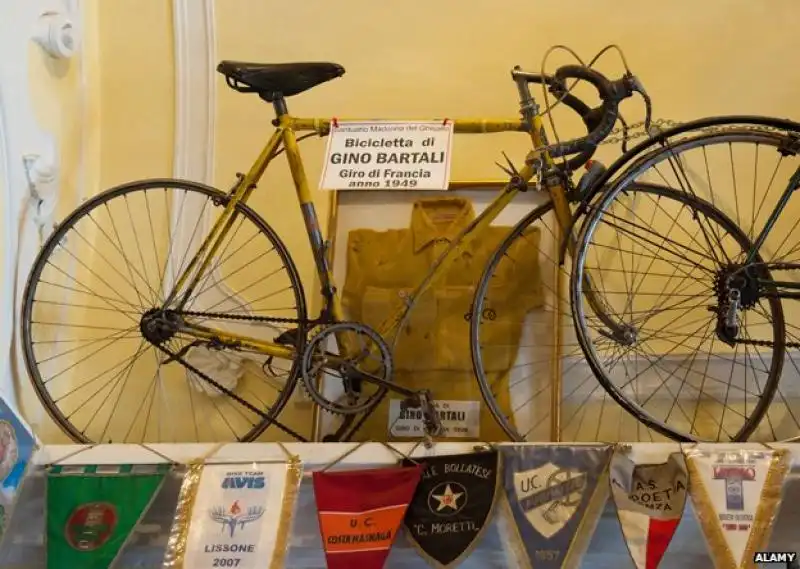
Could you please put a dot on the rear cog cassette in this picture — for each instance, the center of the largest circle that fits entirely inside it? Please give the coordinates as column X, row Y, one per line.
column 743, row 278
column 374, row 357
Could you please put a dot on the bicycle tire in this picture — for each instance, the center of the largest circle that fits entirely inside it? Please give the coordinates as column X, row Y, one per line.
column 218, row 198
column 478, row 310
column 598, row 208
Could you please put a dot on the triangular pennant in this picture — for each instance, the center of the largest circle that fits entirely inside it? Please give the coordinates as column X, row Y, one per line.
column 650, row 499
column 234, row 516
column 736, row 493
column 555, row 495
column 452, row 505
column 91, row 511
column 360, row 512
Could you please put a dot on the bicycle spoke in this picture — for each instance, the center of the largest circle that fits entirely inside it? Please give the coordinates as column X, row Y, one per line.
column 91, row 299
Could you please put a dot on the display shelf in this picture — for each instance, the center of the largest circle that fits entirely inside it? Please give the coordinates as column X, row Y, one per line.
column 24, row 545
column 314, row 454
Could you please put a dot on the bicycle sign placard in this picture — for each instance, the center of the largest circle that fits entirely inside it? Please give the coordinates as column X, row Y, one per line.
column 388, row 155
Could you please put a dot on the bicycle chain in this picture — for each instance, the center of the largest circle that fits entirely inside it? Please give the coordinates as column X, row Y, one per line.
column 243, row 402
column 618, row 135
column 223, row 316
column 637, row 130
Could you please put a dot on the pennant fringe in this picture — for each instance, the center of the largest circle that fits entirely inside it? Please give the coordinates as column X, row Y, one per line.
column 176, row 545
column 294, row 475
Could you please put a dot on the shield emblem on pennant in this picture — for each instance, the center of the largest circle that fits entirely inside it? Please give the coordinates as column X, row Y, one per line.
column 554, row 495
column 549, row 496
column 452, row 506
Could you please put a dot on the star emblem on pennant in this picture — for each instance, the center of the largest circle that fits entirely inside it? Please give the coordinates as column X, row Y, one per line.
column 447, row 499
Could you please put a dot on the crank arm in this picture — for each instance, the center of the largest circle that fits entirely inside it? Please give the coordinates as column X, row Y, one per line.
column 358, row 374
column 414, row 399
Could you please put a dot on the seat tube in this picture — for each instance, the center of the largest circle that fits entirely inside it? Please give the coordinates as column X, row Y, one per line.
column 311, row 220
column 530, row 112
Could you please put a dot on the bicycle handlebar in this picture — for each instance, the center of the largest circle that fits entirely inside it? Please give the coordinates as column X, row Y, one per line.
column 599, row 121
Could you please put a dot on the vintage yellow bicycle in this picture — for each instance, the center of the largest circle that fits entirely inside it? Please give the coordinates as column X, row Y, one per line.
column 187, row 319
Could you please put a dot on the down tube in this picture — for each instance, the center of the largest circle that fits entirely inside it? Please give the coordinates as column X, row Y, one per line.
column 331, row 298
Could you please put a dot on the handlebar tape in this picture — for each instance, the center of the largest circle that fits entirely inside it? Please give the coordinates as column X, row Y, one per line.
column 611, row 93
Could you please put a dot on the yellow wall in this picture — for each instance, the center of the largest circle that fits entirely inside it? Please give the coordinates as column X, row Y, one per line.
column 55, row 87
column 119, row 115
column 135, row 47
column 446, row 58
column 418, row 58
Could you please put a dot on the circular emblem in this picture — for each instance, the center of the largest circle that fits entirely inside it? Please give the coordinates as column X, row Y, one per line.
column 9, row 449
column 90, row 526
column 561, row 508
column 573, row 499
column 447, row 499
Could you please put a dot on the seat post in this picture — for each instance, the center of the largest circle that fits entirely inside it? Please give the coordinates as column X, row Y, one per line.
column 279, row 104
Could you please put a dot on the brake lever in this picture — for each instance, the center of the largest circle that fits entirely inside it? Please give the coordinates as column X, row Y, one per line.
column 636, row 86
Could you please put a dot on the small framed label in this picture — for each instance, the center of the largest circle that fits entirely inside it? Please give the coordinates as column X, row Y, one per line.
column 388, row 155
column 460, row 419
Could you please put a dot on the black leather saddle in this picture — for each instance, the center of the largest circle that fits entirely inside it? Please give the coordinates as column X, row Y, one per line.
column 275, row 80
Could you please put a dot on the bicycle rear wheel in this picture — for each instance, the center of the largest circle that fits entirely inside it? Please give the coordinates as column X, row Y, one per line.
column 99, row 370
column 659, row 260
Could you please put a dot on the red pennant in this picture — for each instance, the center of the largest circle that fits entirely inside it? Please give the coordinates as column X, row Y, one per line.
column 360, row 512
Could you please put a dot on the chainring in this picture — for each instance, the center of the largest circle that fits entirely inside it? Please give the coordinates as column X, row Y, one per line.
column 314, row 362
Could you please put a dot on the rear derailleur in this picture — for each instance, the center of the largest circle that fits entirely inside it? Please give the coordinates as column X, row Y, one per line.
column 728, row 324
column 737, row 290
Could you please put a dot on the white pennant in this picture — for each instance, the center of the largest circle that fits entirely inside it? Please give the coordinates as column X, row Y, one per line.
column 731, row 497
column 237, row 514
column 650, row 500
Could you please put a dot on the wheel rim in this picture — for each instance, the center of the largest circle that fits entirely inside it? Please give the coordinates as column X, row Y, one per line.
column 100, row 374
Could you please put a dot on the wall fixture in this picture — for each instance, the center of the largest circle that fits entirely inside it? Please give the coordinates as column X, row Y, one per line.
column 43, row 184
column 56, row 35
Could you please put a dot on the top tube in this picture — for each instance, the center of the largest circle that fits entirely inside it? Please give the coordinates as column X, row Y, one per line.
column 460, row 126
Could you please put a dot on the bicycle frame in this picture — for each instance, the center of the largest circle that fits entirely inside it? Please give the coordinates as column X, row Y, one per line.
column 284, row 139
column 791, row 290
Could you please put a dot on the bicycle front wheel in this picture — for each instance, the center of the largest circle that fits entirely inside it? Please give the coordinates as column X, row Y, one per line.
column 527, row 360
column 655, row 256
column 104, row 374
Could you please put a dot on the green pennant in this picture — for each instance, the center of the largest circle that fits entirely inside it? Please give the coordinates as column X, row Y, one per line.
column 92, row 510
